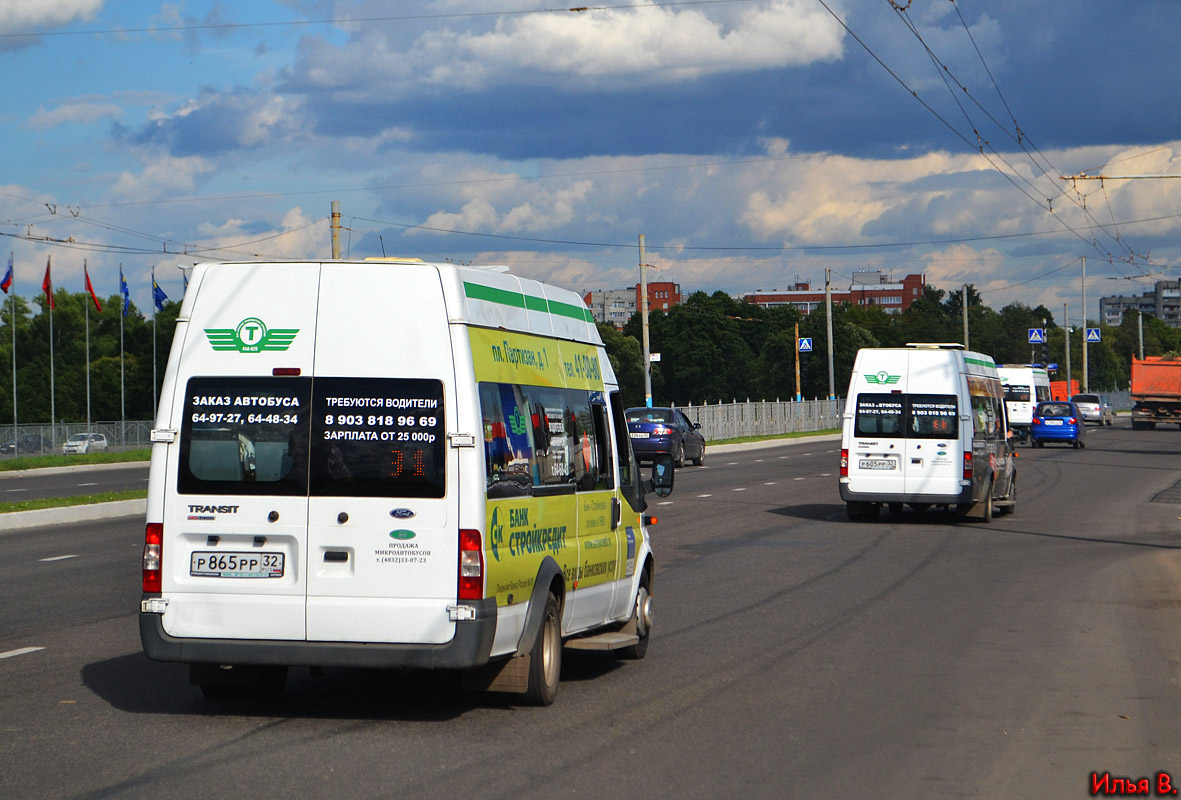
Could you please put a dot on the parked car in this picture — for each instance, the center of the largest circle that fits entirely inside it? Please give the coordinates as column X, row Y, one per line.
column 1094, row 408
column 85, row 443
column 665, row 430
column 1058, row 421
column 29, row 443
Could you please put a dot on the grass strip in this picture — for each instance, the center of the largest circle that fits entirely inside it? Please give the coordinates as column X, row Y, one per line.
column 80, row 500
column 38, row 462
column 797, row 435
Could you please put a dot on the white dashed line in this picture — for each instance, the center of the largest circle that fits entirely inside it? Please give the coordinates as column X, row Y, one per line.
column 665, row 503
column 770, row 483
column 807, row 454
column 758, row 461
column 23, row 651
column 705, row 495
column 739, row 489
column 57, row 558
column 783, row 457
column 16, row 490
column 88, row 484
column 826, row 474
column 799, row 479
column 731, row 463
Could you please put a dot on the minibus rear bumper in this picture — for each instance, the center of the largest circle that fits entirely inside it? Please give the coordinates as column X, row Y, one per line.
column 964, row 497
column 470, row 647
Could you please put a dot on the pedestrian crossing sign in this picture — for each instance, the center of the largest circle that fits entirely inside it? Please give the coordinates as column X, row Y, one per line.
column 1093, row 336
column 1037, row 335
column 806, row 344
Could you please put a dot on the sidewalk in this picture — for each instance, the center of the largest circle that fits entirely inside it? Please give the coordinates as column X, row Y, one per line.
column 68, row 515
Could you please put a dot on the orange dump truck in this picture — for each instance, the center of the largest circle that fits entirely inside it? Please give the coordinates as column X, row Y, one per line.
column 1156, row 391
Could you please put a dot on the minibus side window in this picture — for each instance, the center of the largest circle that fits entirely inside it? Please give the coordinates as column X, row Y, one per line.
column 1043, row 393
column 931, row 416
column 1016, row 393
column 508, row 440
column 629, row 472
column 879, row 415
column 602, row 440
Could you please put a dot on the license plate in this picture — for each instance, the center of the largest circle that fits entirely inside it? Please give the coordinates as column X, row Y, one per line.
column 236, row 565
column 877, row 463
column 1053, row 422
column 639, row 435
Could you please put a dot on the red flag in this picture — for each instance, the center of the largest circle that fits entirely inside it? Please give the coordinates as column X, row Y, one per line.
column 90, row 289
column 47, row 284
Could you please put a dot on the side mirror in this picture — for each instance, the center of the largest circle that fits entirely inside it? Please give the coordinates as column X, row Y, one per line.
column 662, row 474
column 696, row 426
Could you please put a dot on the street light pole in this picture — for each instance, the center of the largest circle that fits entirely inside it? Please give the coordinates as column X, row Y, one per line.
column 832, row 391
column 1086, row 377
column 644, row 326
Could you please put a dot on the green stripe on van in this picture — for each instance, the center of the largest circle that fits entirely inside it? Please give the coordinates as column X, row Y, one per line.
column 478, row 291
column 978, row 362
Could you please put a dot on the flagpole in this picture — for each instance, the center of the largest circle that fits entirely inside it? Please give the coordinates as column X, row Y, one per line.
column 154, row 312
column 86, row 304
column 11, row 256
column 122, row 392
column 52, row 392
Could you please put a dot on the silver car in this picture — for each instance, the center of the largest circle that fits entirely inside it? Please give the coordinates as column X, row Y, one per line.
column 1094, row 408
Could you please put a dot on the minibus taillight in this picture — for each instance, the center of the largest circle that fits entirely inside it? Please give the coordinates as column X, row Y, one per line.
column 285, row 372
column 967, row 466
column 153, row 550
column 844, row 462
column 471, row 566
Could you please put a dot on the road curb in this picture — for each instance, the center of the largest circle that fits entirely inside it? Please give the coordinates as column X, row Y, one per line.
column 66, row 515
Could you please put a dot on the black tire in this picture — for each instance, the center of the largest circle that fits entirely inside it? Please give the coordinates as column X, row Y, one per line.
column 895, row 508
column 545, row 662
column 642, row 614
column 679, row 461
column 1076, row 444
column 697, row 462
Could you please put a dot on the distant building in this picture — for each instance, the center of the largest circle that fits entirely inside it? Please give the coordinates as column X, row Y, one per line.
column 617, row 305
column 1163, row 302
column 868, row 288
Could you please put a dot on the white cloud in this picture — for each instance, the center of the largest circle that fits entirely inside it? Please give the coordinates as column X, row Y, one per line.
column 74, row 113
column 162, row 178
column 22, row 15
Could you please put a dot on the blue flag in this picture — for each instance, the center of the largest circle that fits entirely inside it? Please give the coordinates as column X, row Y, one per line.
column 157, row 293
column 123, row 290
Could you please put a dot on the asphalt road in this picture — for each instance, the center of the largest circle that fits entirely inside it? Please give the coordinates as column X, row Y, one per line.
column 795, row 654
column 75, row 481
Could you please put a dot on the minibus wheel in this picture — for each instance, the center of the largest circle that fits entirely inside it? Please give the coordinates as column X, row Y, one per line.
column 545, row 660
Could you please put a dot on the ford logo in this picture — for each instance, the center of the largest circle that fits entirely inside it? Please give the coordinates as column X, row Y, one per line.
column 402, row 536
column 401, row 513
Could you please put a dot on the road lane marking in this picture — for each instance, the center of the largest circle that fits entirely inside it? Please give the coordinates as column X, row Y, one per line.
column 770, row 483
column 807, row 454
column 783, row 457
column 731, row 463
column 16, row 490
column 799, row 479
column 665, row 503
column 57, row 558
column 22, row 652
column 705, row 495
column 826, row 474
column 758, row 461
column 88, row 484
column 739, row 489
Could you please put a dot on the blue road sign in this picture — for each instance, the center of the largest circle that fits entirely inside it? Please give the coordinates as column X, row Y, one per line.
column 1037, row 335
column 1092, row 335
column 806, row 344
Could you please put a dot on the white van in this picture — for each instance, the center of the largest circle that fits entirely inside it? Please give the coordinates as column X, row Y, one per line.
column 391, row 464
column 1025, row 386
column 924, row 425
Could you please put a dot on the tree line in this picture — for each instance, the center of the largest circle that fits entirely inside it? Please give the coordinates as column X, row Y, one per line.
column 69, row 357
column 713, row 348
column 716, row 348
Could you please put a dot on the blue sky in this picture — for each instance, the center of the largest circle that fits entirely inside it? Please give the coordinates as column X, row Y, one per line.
column 754, row 143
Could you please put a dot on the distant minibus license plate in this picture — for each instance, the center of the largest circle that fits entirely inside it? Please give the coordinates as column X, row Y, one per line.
column 1053, row 422
column 236, row 565
column 877, row 463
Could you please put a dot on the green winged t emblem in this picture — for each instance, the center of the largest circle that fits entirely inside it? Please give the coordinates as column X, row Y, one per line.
column 883, row 378
column 251, row 336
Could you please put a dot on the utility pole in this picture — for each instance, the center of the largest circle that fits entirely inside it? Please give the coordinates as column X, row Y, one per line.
column 799, row 394
column 336, row 230
column 1139, row 328
column 644, row 326
column 966, row 316
column 1086, row 377
column 832, row 391
column 1066, row 328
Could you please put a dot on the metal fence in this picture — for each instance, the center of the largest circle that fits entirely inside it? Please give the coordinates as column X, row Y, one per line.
column 765, row 417
column 47, row 439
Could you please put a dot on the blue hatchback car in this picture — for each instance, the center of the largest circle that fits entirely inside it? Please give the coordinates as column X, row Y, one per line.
column 1058, row 421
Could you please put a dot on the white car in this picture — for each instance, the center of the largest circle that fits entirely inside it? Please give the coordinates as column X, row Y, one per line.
column 85, row 443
